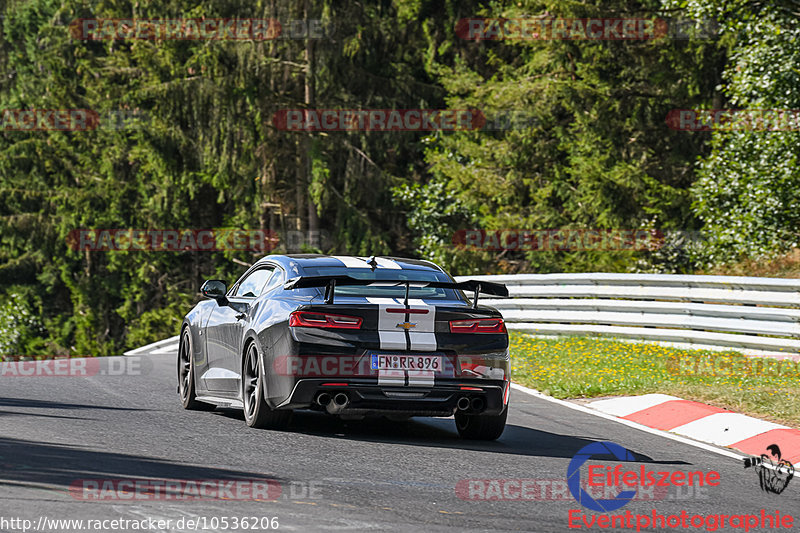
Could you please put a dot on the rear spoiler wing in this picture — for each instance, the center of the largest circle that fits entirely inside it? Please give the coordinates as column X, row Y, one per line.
column 330, row 283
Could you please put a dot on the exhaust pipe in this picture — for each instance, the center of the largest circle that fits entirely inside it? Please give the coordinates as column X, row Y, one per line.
column 338, row 403
column 477, row 404
column 463, row 403
column 341, row 399
column 323, row 399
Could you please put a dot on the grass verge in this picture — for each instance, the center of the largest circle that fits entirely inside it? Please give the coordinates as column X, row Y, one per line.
column 586, row 367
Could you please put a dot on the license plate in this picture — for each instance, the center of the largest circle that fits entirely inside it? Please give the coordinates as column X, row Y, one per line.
column 406, row 362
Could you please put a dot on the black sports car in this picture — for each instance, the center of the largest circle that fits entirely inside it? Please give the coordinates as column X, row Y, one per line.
column 352, row 336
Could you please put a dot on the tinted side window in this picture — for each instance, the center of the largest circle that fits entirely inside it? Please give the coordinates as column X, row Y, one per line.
column 251, row 286
column 275, row 281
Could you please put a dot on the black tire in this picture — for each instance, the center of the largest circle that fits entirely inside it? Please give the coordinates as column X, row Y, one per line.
column 186, row 388
column 257, row 414
column 481, row 427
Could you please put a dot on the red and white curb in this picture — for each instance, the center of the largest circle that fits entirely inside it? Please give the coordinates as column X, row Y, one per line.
column 703, row 423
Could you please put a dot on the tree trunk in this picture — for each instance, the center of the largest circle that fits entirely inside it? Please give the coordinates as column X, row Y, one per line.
column 310, row 101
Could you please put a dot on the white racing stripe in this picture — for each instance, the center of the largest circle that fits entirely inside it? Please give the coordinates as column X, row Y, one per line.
column 392, row 340
column 423, row 342
column 424, row 322
column 390, row 337
column 351, row 262
column 361, row 262
column 387, row 322
column 393, row 336
column 420, row 378
column 392, row 377
column 386, row 263
column 422, row 336
column 382, row 301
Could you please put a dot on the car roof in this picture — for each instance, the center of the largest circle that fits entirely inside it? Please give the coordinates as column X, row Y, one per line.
column 293, row 261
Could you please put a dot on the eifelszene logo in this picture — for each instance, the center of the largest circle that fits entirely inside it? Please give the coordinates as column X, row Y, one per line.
column 774, row 472
column 574, row 476
column 611, row 479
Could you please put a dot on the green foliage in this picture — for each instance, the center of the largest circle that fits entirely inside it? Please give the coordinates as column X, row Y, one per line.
column 594, row 150
column 748, row 188
column 156, row 324
column 199, row 150
column 19, row 325
column 435, row 215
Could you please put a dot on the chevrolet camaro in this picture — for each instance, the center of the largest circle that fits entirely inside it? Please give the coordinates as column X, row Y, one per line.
column 350, row 336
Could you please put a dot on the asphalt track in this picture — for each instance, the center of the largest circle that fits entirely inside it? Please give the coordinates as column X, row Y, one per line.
column 365, row 475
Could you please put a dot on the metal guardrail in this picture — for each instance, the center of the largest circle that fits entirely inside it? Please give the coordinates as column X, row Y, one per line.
column 758, row 316
column 165, row 346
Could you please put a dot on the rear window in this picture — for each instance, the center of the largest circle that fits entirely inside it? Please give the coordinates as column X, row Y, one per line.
column 388, row 274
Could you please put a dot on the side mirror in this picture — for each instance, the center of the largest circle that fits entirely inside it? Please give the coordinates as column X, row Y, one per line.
column 214, row 288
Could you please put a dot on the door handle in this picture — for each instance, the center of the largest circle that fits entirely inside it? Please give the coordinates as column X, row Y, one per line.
column 240, row 316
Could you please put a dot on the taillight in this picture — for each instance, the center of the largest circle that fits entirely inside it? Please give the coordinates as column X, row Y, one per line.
column 311, row 319
column 482, row 367
column 478, row 325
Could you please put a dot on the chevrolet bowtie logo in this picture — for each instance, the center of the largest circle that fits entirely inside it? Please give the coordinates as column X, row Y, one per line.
column 406, row 325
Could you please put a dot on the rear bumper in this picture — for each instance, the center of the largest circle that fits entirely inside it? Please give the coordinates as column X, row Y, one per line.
column 368, row 398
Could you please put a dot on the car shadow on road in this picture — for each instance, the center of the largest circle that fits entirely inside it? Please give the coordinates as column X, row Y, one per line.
column 28, row 403
column 46, row 404
column 441, row 432
column 32, row 464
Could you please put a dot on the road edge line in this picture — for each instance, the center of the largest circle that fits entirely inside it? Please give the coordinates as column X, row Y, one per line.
column 635, row 425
